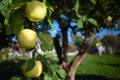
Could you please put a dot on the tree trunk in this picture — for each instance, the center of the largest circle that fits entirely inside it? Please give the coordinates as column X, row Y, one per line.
column 58, row 48
column 64, row 43
column 62, row 49
column 72, row 67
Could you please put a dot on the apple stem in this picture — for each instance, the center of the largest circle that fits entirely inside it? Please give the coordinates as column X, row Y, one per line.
column 33, row 55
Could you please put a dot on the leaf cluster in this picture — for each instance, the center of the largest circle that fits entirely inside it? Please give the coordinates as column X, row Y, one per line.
column 50, row 70
column 15, row 17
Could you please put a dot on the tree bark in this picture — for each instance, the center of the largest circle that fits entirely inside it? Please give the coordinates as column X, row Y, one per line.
column 64, row 43
column 62, row 49
column 58, row 48
column 72, row 67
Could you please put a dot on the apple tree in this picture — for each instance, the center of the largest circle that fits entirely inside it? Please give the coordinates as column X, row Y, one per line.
column 90, row 16
column 19, row 17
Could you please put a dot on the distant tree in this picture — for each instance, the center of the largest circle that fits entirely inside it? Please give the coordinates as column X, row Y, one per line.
column 93, row 48
column 111, row 42
column 78, row 40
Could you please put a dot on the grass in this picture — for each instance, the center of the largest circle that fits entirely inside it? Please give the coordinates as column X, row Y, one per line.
column 95, row 67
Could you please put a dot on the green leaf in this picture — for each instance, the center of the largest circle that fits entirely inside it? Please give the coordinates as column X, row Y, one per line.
column 15, row 78
column 79, row 24
column 16, row 4
column 49, row 76
column 56, row 77
column 47, row 41
column 49, row 6
column 50, row 10
column 16, row 20
column 51, row 24
column 53, row 67
column 3, row 7
column 78, row 15
column 44, row 61
column 92, row 21
column 61, row 73
column 76, row 7
column 93, row 2
column 84, row 18
column 49, row 13
column 48, row 56
column 31, row 64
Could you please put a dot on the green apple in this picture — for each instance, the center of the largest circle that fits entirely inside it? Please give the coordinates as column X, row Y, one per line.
column 35, row 72
column 35, row 11
column 27, row 38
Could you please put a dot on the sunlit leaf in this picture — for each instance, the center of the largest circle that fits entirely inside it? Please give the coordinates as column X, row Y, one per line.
column 49, row 6
column 84, row 18
column 61, row 73
column 56, row 77
column 6, row 21
column 3, row 7
column 48, row 55
column 53, row 67
column 50, row 23
column 78, row 15
column 50, row 10
column 49, row 76
column 93, row 2
column 47, row 41
column 76, row 7
column 92, row 21
column 15, row 78
column 79, row 24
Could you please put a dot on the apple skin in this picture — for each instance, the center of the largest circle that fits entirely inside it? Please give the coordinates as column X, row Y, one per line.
column 27, row 38
column 36, row 11
column 35, row 72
